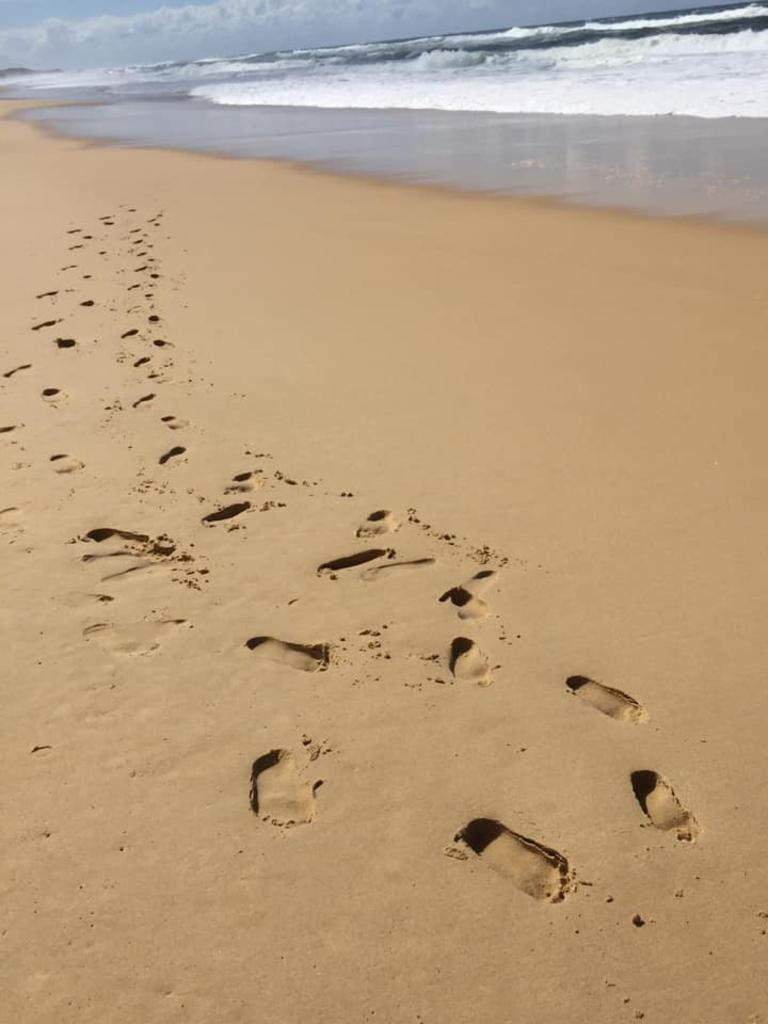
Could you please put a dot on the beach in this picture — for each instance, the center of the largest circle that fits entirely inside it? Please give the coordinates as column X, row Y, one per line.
column 256, row 422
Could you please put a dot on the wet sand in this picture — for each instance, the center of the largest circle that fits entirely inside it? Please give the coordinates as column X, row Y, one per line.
column 253, row 765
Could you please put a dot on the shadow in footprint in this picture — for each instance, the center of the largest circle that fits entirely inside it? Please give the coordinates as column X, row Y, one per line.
column 659, row 802
column 65, row 342
column 378, row 523
column 17, row 369
column 142, row 400
column 304, row 657
column 278, row 794
column 468, row 663
column 611, row 702
column 172, row 453
column 351, row 561
column 535, row 869
column 65, row 464
column 102, row 533
column 466, row 598
column 45, row 323
column 229, row 512
column 378, row 572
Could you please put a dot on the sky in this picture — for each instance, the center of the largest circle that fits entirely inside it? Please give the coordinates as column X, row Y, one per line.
column 99, row 33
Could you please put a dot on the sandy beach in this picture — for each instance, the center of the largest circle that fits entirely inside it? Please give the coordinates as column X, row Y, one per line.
column 255, row 422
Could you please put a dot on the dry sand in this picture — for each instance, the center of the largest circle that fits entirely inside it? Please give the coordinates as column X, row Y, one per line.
column 572, row 400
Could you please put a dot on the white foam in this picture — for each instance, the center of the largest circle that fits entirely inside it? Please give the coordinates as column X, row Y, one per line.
column 699, row 76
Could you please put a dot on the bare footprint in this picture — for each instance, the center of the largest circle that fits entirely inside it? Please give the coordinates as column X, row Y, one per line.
column 660, row 804
column 278, row 793
column 172, row 453
column 533, row 868
column 304, row 657
column 17, row 369
column 174, row 422
column 614, row 703
column 468, row 663
column 65, row 464
column 11, row 519
column 139, row 638
column 228, row 512
column 378, row 523
column 378, row 572
column 466, row 598
column 351, row 561
column 244, row 482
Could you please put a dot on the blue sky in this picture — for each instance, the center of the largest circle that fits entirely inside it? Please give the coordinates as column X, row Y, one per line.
column 92, row 33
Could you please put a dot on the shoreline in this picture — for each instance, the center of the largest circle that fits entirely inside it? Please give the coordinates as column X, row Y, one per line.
column 570, row 399
column 381, row 179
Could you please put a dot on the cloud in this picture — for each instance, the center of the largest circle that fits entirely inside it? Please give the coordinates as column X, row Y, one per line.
column 227, row 26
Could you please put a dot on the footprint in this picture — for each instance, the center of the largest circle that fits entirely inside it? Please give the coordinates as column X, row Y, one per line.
column 243, row 482
column 468, row 663
column 305, row 657
column 8, row 429
column 174, row 423
column 66, row 464
column 46, row 295
column 11, row 519
column 50, row 394
column 45, row 323
column 65, row 342
column 132, row 333
column 229, row 512
column 660, row 804
column 614, row 703
column 350, row 561
column 278, row 793
column 144, row 398
column 102, row 533
column 162, row 344
column 534, row 869
column 377, row 572
column 378, row 523
column 141, row 361
column 88, row 302
column 134, row 640
column 172, row 453
column 466, row 598
column 17, row 369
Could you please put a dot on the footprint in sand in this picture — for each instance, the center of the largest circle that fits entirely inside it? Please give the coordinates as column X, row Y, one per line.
column 378, row 523
column 66, row 464
column 278, row 793
column 139, row 638
column 533, row 868
column 11, row 519
column 143, row 400
column 351, row 561
column 17, row 369
column 44, row 324
column 468, row 663
column 51, row 395
column 65, row 342
column 228, row 512
column 661, row 806
column 102, row 533
column 174, row 422
column 244, row 482
column 172, row 453
column 378, row 572
column 466, row 599
column 304, row 657
column 614, row 703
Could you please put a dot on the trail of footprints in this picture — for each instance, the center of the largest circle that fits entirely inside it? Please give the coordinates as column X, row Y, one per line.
column 280, row 794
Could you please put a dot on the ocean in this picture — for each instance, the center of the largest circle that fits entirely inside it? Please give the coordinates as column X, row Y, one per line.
column 631, row 111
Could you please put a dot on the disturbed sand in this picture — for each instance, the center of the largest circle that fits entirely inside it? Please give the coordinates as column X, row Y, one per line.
column 385, row 584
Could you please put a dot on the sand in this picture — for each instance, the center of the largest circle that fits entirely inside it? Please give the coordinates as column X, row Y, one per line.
column 254, row 769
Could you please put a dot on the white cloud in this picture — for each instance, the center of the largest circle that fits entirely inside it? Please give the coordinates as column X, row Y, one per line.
column 228, row 26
